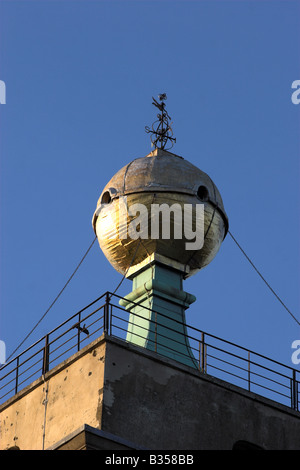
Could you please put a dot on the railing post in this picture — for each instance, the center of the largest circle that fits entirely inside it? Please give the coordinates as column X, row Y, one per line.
column 78, row 331
column 110, row 321
column 249, row 372
column 17, row 375
column 294, row 392
column 106, row 314
column 203, row 353
column 46, row 356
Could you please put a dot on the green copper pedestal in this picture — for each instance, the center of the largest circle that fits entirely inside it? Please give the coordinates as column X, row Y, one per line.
column 157, row 307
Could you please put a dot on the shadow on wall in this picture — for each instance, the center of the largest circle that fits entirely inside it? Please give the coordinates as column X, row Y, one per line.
column 244, row 445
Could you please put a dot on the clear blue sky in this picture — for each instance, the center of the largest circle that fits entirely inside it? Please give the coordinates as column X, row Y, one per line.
column 79, row 79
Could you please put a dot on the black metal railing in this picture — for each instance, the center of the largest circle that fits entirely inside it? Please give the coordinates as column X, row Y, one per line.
column 211, row 355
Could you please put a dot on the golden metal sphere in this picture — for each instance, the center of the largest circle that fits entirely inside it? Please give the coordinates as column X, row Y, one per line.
column 159, row 178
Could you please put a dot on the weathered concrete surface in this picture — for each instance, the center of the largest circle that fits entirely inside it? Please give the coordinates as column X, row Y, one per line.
column 88, row 438
column 161, row 405
column 141, row 398
column 74, row 397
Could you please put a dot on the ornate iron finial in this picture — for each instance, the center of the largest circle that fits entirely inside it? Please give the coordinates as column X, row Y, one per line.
column 163, row 132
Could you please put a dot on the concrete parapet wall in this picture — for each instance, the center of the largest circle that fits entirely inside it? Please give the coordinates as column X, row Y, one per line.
column 161, row 404
column 73, row 391
column 139, row 396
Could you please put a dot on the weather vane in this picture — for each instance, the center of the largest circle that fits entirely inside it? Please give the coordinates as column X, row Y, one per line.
column 163, row 132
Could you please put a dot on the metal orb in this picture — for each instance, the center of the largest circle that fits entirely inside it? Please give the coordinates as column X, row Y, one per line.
column 159, row 178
